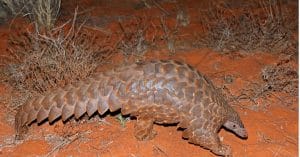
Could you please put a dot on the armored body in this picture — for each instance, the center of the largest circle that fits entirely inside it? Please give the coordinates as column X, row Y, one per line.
column 163, row 92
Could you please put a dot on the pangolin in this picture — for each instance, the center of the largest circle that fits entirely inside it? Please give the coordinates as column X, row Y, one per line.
column 163, row 92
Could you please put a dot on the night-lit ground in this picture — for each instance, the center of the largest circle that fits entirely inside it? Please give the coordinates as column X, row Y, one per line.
column 270, row 116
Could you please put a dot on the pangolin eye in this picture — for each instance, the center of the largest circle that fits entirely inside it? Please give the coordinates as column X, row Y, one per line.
column 234, row 125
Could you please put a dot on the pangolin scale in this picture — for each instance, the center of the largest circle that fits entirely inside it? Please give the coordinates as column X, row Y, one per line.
column 163, row 92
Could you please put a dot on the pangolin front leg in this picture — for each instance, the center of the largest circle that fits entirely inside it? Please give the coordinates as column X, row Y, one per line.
column 208, row 139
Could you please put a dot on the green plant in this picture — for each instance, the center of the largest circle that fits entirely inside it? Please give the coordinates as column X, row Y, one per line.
column 122, row 119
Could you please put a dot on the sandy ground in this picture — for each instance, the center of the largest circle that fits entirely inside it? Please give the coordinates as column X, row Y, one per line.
column 272, row 127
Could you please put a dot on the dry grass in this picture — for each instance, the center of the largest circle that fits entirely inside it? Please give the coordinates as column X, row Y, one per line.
column 43, row 13
column 266, row 26
column 66, row 54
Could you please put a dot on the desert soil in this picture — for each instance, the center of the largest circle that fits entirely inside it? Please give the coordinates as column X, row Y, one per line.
column 272, row 125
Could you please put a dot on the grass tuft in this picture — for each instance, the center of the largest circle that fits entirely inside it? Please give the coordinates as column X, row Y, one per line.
column 39, row 62
column 266, row 26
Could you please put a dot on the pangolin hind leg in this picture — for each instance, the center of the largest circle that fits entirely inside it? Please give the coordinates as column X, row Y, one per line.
column 150, row 114
column 208, row 139
column 143, row 129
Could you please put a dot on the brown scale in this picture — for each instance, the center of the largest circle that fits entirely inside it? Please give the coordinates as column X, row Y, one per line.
column 164, row 92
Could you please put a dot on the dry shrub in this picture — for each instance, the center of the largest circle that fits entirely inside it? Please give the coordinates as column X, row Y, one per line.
column 170, row 34
column 133, row 42
column 265, row 27
column 142, row 34
column 279, row 81
column 61, row 56
column 280, row 78
column 43, row 13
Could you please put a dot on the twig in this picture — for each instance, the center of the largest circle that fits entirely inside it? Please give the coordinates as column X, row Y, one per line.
column 159, row 150
column 106, row 32
column 161, row 8
column 65, row 142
